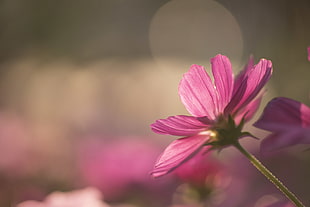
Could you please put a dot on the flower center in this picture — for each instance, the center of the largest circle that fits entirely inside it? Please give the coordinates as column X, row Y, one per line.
column 225, row 132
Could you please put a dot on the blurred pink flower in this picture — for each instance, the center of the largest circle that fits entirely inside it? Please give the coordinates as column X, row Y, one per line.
column 121, row 167
column 289, row 122
column 202, row 177
column 200, row 171
column 215, row 107
column 308, row 49
column 88, row 197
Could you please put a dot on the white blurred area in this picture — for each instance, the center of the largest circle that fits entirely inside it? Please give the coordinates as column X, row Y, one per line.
column 116, row 96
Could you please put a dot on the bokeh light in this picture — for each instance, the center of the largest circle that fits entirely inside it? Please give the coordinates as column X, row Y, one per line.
column 190, row 31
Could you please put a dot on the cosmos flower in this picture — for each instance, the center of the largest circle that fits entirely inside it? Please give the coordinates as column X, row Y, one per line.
column 219, row 110
column 88, row 197
column 289, row 122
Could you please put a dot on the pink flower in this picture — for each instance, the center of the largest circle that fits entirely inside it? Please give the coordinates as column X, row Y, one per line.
column 202, row 176
column 88, row 197
column 119, row 168
column 215, row 108
column 308, row 49
column 289, row 122
column 200, row 171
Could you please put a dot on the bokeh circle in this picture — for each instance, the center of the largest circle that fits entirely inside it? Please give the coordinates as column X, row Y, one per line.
column 193, row 32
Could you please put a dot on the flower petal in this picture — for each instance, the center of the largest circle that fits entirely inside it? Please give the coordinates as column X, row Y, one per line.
column 223, row 79
column 249, row 110
column 242, row 74
column 288, row 137
column 198, row 93
column 239, row 90
column 179, row 125
column 289, row 120
column 305, row 115
column 178, row 152
column 283, row 111
column 308, row 49
column 253, row 82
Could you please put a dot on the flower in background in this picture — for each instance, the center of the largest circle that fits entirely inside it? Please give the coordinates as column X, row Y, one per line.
column 202, row 176
column 120, row 169
column 289, row 122
column 216, row 108
column 209, row 181
column 201, row 171
column 88, row 197
column 308, row 49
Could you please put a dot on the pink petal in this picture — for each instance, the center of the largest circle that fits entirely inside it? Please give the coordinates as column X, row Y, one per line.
column 198, row 93
column 249, row 110
column 179, row 126
column 241, row 76
column 240, row 86
column 305, row 115
column 289, row 120
column 288, row 137
column 284, row 111
column 308, row 49
column 223, row 79
column 178, row 152
column 253, row 82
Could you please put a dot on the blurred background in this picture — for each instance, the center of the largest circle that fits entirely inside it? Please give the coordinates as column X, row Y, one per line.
column 81, row 81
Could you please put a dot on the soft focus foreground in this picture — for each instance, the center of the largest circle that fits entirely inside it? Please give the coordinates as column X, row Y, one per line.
column 81, row 82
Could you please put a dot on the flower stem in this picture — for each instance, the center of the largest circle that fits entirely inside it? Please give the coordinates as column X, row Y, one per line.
column 270, row 176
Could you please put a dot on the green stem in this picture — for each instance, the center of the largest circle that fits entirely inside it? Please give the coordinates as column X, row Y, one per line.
column 269, row 176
